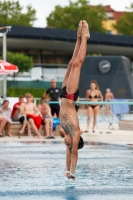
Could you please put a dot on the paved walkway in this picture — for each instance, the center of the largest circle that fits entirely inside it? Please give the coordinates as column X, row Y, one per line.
column 102, row 135
column 105, row 135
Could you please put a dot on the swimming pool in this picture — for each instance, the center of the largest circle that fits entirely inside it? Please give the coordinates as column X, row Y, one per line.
column 36, row 171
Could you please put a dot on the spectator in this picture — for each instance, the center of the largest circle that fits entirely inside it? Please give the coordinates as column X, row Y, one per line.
column 17, row 116
column 6, row 112
column 32, row 99
column 46, row 118
column 32, row 113
column 16, row 109
column 93, row 94
column 54, row 93
column 109, row 95
column 3, row 121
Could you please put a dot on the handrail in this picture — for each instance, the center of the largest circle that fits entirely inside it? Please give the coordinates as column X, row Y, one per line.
column 91, row 102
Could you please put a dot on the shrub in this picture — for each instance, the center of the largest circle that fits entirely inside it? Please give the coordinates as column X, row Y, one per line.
column 15, row 92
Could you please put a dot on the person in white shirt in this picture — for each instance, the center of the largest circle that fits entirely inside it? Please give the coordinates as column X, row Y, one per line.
column 6, row 112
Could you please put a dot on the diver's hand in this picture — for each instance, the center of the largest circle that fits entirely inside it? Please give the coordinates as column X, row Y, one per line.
column 69, row 175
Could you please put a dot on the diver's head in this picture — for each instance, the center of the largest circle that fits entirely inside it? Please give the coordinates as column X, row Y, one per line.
column 81, row 143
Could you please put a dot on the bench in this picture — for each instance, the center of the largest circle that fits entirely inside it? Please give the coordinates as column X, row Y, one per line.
column 16, row 126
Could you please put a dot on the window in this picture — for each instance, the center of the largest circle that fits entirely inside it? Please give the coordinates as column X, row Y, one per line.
column 110, row 15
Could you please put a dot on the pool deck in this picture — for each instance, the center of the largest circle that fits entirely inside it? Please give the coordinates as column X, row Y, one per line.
column 101, row 135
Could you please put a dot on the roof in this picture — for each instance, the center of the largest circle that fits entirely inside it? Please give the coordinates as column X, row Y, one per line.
column 118, row 15
column 108, row 8
column 21, row 32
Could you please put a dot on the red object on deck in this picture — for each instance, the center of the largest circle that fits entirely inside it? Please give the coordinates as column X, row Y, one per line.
column 37, row 120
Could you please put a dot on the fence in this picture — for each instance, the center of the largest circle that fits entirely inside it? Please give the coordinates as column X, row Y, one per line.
column 116, row 114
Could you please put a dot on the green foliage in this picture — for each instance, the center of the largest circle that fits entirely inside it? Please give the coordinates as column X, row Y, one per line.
column 11, row 14
column 69, row 16
column 23, row 62
column 15, row 92
column 95, row 54
column 125, row 23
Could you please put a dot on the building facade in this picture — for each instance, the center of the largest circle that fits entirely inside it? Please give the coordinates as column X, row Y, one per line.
column 52, row 49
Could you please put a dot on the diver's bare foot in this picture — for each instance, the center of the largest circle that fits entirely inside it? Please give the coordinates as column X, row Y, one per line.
column 79, row 31
column 85, row 29
column 69, row 175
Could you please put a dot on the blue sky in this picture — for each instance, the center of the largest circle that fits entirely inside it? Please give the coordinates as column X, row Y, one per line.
column 44, row 7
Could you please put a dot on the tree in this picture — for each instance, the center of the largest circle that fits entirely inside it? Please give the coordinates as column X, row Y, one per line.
column 23, row 62
column 125, row 23
column 11, row 14
column 69, row 16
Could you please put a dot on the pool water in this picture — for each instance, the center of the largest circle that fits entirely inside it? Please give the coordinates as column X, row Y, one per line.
column 31, row 171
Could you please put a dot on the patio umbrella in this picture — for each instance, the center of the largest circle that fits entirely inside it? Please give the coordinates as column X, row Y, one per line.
column 7, row 68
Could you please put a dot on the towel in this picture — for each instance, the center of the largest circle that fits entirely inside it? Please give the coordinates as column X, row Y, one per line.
column 56, row 122
column 37, row 120
column 119, row 108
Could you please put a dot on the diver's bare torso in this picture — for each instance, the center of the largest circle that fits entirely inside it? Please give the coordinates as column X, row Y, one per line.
column 68, row 117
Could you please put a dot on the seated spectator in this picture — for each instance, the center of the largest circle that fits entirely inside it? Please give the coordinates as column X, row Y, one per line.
column 32, row 99
column 16, row 109
column 46, row 118
column 6, row 112
column 3, row 121
column 32, row 114
column 17, row 116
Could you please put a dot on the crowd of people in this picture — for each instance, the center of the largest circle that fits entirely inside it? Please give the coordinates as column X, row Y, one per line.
column 32, row 117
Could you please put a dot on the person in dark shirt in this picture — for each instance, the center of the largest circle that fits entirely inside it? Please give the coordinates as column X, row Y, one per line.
column 54, row 93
